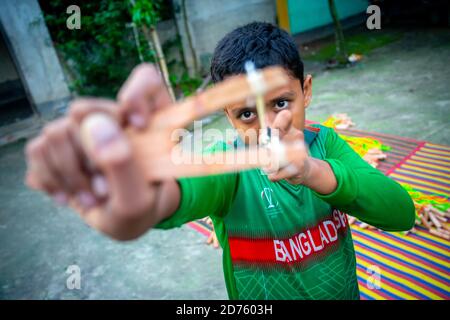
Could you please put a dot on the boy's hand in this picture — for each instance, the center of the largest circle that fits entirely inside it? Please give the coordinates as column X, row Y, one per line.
column 212, row 238
column 91, row 166
column 298, row 172
column 313, row 173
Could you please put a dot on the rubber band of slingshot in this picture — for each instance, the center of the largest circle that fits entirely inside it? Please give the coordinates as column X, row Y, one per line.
column 258, row 86
column 255, row 79
column 278, row 149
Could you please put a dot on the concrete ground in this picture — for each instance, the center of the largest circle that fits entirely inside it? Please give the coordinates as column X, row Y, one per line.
column 39, row 241
column 402, row 89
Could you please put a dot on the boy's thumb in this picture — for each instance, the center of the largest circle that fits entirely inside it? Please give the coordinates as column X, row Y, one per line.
column 104, row 141
column 108, row 147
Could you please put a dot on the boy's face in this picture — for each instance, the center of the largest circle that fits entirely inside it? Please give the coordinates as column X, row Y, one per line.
column 290, row 97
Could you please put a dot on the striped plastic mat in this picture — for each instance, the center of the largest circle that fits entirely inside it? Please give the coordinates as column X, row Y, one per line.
column 412, row 266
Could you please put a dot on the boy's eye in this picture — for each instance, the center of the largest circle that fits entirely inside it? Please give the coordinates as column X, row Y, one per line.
column 282, row 104
column 247, row 116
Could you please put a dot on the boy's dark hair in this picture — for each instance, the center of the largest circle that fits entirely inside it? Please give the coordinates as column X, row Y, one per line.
column 260, row 42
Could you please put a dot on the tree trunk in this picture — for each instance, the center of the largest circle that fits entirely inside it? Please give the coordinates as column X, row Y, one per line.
column 152, row 37
column 341, row 50
column 136, row 40
column 189, row 37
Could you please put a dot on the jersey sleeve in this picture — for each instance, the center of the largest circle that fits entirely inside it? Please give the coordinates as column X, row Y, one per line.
column 203, row 196
column 364, row 191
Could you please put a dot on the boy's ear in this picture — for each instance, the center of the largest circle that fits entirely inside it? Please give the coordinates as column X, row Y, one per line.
column 307, row 90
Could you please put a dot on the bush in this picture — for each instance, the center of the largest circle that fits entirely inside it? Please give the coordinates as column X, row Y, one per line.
column 99, row 56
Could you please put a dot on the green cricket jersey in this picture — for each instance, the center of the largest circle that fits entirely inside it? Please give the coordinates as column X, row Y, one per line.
column 284, row 241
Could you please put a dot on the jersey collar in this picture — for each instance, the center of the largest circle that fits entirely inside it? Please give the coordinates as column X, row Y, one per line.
column 310, row 133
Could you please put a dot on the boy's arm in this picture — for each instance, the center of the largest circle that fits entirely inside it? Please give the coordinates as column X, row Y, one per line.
column 85, row 160
column 200, row 197
column 364, row 191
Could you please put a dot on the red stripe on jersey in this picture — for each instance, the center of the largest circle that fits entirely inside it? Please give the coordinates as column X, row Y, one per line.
column 312, row 129
column 293, row 250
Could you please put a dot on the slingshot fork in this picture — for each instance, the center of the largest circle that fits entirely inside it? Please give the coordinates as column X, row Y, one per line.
column 154, row 149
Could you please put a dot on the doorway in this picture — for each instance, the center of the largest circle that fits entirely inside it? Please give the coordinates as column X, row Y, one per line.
column 14, row 103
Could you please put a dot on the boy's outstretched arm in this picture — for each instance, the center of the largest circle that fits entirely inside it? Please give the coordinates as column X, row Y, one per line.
column 92, row 167
column 100, row 178
column 364, row 191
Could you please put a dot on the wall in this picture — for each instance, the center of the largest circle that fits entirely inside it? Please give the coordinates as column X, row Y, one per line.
column 305, row 15
column 209, row 20
column 7, row 69
column 35, row 56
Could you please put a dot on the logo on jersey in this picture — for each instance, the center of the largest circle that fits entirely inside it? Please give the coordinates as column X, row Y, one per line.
column 271, row 204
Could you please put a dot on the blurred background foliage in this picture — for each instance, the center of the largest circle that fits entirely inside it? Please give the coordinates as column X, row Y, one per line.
column 98, row 57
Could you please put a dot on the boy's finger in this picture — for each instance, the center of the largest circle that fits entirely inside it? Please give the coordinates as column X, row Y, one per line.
column 110, row 150
column 210, row 238
column 39, row 174
column 293, row 136
column 216, row 241
column 282, row 122
column 135, row 112
column 285, row 173
column 63, row 157
column 142, row 93
column 80, row 108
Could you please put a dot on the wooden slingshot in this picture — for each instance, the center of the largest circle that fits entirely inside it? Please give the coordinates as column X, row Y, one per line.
column 155, row 148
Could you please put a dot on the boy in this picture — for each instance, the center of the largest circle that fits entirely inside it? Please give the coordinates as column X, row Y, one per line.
column 284, row 235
